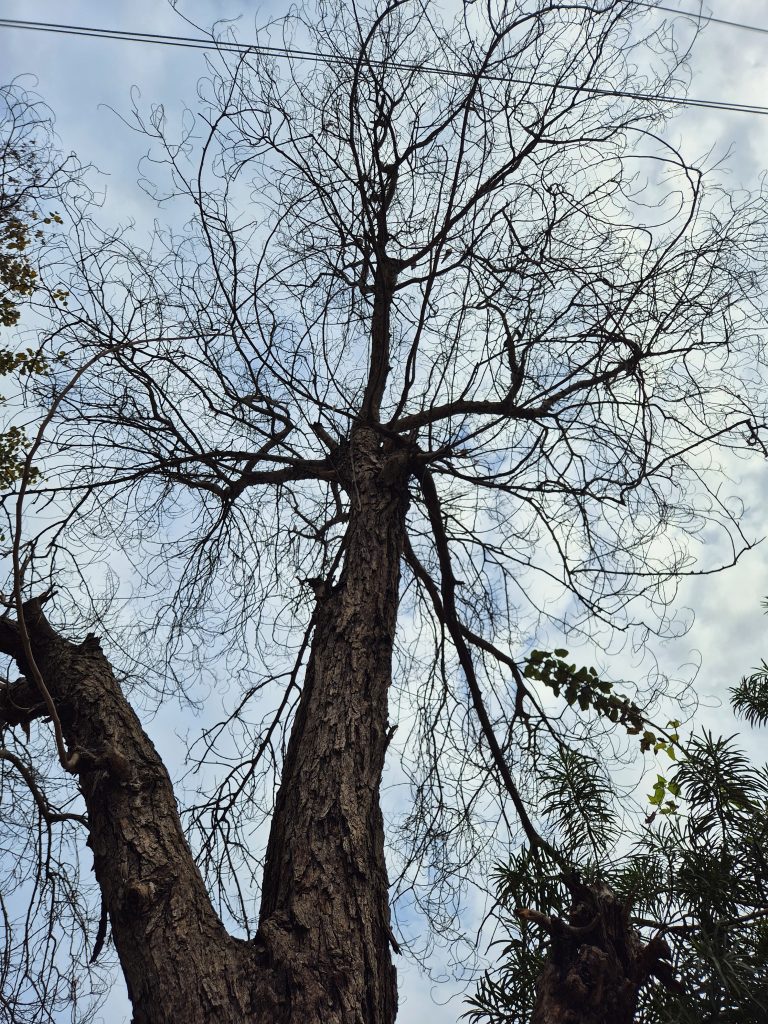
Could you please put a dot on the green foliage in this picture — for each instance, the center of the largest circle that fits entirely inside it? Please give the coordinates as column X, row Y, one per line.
column 698, row 875
column 583, row 687
column 21, row 226
column 22, row 362
column 577, row 799
column 530, row 879
column 18, row 277
column 658, row 798
column 24, row 182
column 713, row 891
column 13, row 441
column 750, row 697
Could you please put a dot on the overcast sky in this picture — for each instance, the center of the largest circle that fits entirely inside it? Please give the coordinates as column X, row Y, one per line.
column 88, row 84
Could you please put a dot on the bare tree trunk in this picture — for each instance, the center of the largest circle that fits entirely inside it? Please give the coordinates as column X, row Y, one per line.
column 322, row 953
column 597, row 961
column 325, row 911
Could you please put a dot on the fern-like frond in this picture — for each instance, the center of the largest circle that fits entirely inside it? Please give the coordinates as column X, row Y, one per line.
column 578, row 799
column 750, row 697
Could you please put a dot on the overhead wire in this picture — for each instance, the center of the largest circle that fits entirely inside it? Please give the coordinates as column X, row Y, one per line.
column 707, row 19
column 231, row 46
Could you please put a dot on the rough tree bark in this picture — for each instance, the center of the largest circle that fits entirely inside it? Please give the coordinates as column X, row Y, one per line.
column 322, row 951
column 325, row 913
column 178, row 961
column 597, row 961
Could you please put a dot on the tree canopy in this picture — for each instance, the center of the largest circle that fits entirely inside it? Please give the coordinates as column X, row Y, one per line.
column 448, row 351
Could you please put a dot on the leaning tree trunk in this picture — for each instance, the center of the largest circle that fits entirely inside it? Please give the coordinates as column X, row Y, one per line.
column 178, row 961
column 322, row 951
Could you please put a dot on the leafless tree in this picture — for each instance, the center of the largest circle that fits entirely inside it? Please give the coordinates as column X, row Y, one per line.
column 445, row 350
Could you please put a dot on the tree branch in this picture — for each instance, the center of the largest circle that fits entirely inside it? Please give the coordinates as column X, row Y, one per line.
column 450, row 618
column 20, row 702
column 50, row 816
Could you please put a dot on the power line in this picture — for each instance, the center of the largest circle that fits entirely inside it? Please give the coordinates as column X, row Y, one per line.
column 193, row 43
column 697, row 16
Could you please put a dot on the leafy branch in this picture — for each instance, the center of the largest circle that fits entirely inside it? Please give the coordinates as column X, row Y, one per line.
column 584, row 687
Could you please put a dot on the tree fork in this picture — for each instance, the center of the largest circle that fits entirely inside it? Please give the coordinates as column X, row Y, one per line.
column 322, row 952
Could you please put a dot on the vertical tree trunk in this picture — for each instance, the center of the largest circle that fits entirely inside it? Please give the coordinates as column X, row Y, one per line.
column 325, row 910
